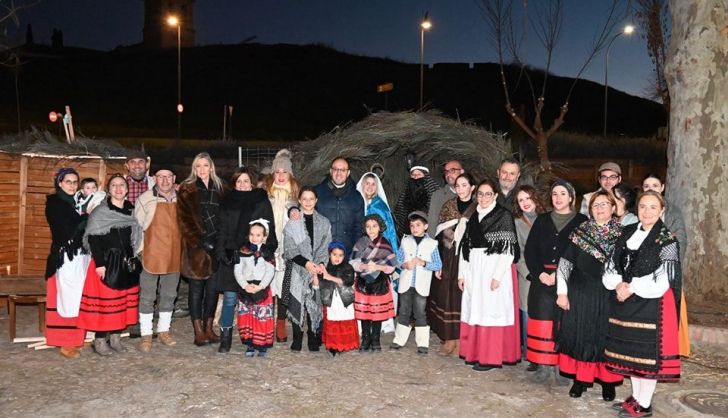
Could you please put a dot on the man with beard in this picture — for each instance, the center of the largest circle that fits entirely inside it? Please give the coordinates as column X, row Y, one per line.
column 415, row 197
column 341, row 204
column 509, row 174
column 137, row 178
column 450, row 170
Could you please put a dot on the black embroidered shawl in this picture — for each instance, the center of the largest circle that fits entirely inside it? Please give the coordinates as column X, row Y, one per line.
column 496, row 233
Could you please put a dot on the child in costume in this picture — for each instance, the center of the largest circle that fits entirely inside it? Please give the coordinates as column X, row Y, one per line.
column 336, row 288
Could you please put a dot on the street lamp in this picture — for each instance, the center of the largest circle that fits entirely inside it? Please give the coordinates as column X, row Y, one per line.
column 628, row 30
column 424, row 25
column 174, row 21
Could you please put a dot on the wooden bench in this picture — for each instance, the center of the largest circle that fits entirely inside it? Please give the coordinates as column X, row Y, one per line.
column 23, row 290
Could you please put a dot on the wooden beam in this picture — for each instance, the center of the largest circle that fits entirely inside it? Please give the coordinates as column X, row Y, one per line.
column 21, row 213
column 102, row 174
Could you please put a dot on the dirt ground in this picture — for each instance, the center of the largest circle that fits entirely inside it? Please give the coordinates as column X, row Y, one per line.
column 186, row 380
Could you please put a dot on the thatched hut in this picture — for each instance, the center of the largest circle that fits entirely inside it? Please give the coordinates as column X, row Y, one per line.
column 389, row 138
column 27, row 165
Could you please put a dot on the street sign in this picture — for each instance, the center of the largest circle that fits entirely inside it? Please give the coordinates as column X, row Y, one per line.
column 180, row 108
column 53, row 117
column 383, row 88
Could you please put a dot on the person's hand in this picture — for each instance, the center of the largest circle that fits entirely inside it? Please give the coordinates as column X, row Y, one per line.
column 461, row 284
column 372, row 266
column 494, row 284
column 408, row 265
column 547, row 279
column 251, row 288
column 438, row 274
column 315, row 280
column 294, row 214
column 419, row 262
column 312, row 268
column 101, row 272
column 563, row 302
column 623, row 291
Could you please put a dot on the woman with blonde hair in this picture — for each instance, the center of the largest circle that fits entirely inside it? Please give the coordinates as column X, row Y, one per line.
column 282, row 189
column 198, row 207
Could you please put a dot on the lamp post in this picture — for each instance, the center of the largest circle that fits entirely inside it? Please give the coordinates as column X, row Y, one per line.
column 628, row 30
column 174, row 21
column 425, row 25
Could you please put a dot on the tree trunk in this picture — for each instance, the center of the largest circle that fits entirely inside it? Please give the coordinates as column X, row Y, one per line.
column 697, row 175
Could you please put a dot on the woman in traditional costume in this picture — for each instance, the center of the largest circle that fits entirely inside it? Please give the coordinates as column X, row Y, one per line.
column 546, row 243
column 110, row 298
column 585, row 302
column 489, row 325
column 66, row 266
column 642, row 335
column 443, row 310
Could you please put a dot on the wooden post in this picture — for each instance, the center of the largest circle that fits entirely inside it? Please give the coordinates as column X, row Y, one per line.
column 22, row 208
column 70, row 124
column 102, row 173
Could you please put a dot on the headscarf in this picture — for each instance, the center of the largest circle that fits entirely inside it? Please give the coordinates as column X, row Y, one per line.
column 380, row 189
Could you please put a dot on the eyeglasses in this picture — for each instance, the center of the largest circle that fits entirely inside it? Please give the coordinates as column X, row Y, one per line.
column 452, row 170
column 485, row 194
column 339, row 170
column 610, row 178
column 601, row 205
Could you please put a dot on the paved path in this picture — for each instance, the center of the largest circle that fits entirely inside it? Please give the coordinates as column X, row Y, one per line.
column 189, row 381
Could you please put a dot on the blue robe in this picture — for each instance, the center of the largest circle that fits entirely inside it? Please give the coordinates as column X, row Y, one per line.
column 378, row 207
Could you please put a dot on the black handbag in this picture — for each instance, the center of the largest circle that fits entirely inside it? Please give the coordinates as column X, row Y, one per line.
column 122, row 270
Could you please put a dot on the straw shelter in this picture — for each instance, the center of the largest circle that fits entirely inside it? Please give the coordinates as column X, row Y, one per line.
column 27, row 165
column 393, row 140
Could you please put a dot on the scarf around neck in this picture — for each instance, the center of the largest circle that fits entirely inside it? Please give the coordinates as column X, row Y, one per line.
column 561, row 220
column 597, row 240
column 495, row 232
column 103, row 219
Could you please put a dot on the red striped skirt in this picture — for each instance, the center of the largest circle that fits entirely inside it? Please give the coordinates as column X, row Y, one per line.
column 104, row 308
column 587, row 371
column 340, row 335
column 540, row 344
column 669, row 357
column 256, row 322
column 373, row 307
column 60, row 331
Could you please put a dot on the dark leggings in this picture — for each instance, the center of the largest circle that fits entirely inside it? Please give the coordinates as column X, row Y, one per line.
column 202, row 299
column 281, row 310
column 104, row 334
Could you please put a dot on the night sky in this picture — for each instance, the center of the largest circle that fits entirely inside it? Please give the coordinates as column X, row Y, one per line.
column 382, row 28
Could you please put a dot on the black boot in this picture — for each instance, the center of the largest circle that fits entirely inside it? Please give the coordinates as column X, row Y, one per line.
column 608, row 392
column 226, row 340
column 366, row 335
column 376, row 333
column 297, row 343
column 313, row 340
column 577, row 389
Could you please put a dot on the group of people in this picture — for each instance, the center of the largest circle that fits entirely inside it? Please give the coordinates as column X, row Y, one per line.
column 591, row 296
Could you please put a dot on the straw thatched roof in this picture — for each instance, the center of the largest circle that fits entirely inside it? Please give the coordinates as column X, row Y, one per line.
column 385, row 138
column 45, row 143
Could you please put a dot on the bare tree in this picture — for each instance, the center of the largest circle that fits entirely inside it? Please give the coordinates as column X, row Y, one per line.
column 654, row 19
column 547, row 20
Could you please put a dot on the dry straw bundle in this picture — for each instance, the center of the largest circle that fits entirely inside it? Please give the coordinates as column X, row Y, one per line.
column 35, row 141
column 387, row 138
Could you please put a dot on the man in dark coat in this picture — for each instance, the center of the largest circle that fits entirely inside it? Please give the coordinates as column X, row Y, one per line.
column 341, row 203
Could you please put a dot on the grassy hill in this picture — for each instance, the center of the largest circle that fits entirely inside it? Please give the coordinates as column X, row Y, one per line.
column 280, row 91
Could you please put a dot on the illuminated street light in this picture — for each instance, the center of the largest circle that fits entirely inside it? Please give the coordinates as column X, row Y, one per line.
column 424, row 25
column 174, row 21
column 628, row 30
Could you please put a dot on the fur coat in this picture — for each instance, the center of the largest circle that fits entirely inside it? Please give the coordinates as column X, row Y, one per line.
column 196, row 262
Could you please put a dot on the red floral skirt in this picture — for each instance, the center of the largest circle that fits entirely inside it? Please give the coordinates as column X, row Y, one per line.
column 340, row 335
column 256, row 321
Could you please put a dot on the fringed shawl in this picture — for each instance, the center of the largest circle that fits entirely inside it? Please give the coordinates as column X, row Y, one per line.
column 103, row 218
column 378, row 251
column 495, row 233
column 596, row 240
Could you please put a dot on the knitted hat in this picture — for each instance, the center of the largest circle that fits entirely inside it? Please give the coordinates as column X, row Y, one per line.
column 283, row 161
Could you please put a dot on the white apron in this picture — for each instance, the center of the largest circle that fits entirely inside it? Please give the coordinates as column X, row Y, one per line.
column 70, row 279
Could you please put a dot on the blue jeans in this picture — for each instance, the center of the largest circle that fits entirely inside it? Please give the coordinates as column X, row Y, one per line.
column 229, row 302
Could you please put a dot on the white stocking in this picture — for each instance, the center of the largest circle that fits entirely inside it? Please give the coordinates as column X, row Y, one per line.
column 647, row 389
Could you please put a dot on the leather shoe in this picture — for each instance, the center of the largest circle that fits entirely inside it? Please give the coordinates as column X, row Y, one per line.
column 621, row 406
column 576, row 390
column 635, row 410
column 70, row 352
column 481, row 368
column 532, row 367
column 180, row 313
